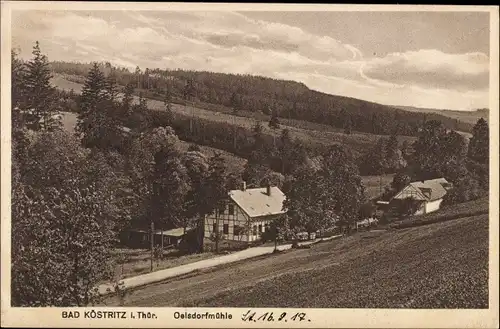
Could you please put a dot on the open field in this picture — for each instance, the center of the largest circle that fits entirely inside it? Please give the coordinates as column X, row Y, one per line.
column 62, row 82
column 443, row 265
column 374, row 185
column 357, row 142
column 69, row 121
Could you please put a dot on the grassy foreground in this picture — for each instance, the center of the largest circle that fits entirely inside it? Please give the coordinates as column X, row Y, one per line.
column 442, row 265
column 138, row 261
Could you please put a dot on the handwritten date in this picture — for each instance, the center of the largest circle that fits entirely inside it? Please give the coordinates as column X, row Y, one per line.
column 251, row 316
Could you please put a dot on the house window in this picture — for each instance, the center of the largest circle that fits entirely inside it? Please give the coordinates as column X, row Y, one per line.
column 254, row 230
column 260, row 228
column 225, row 229
column 231, row 209
column 238, row 230
column 214, row 228
column 267, row 228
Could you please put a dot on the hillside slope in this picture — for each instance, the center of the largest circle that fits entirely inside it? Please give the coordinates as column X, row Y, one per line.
column 437, row 266
column 443, row 265
column 234, row 163
column 257, row 94
column 357, row 142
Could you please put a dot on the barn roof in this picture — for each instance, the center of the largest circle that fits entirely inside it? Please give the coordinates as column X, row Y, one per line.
column 255, row 202
column 429, row 190
column 178, row 232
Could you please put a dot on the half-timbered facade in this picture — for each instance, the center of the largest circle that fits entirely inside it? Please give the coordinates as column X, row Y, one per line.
column 246, row 214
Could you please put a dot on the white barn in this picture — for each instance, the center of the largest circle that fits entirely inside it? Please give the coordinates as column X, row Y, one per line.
column 428, row 194
column 247, row 213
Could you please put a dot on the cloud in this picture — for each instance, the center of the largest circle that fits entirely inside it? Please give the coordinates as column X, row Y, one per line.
column 432, row 68
column 233, row 43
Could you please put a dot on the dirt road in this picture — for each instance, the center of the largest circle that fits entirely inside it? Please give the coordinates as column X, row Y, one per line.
column 181, row 291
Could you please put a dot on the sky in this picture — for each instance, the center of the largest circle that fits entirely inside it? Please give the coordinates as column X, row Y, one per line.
column 422, row 59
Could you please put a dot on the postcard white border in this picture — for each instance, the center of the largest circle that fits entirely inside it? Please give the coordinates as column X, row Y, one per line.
column 347, row 318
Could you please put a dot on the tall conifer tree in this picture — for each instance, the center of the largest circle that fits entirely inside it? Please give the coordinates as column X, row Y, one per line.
column 41, row 110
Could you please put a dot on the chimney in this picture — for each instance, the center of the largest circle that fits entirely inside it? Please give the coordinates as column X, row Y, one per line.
column 268, row 190
column 244, row 186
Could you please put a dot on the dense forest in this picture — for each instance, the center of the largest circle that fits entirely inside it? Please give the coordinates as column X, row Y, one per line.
column 255, row 94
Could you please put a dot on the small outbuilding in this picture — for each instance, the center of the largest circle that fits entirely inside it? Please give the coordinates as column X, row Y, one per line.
column 427, row 195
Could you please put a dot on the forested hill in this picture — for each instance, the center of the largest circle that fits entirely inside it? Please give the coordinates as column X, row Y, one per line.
column 464, row 116
column 254, row 94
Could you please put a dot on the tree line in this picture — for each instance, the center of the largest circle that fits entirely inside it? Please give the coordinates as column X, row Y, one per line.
column 440, row 152
column 286, row 99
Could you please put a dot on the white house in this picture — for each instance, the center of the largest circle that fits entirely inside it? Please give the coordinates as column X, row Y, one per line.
column 246, row 214
column 428, row 194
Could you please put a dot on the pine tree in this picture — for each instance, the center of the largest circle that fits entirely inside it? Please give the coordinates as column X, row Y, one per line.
column 480, row 142
column 18, row 91
column 235, row 103
column 127, row 100
column 111, row 87
column 41, row 109
column 96, row 122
